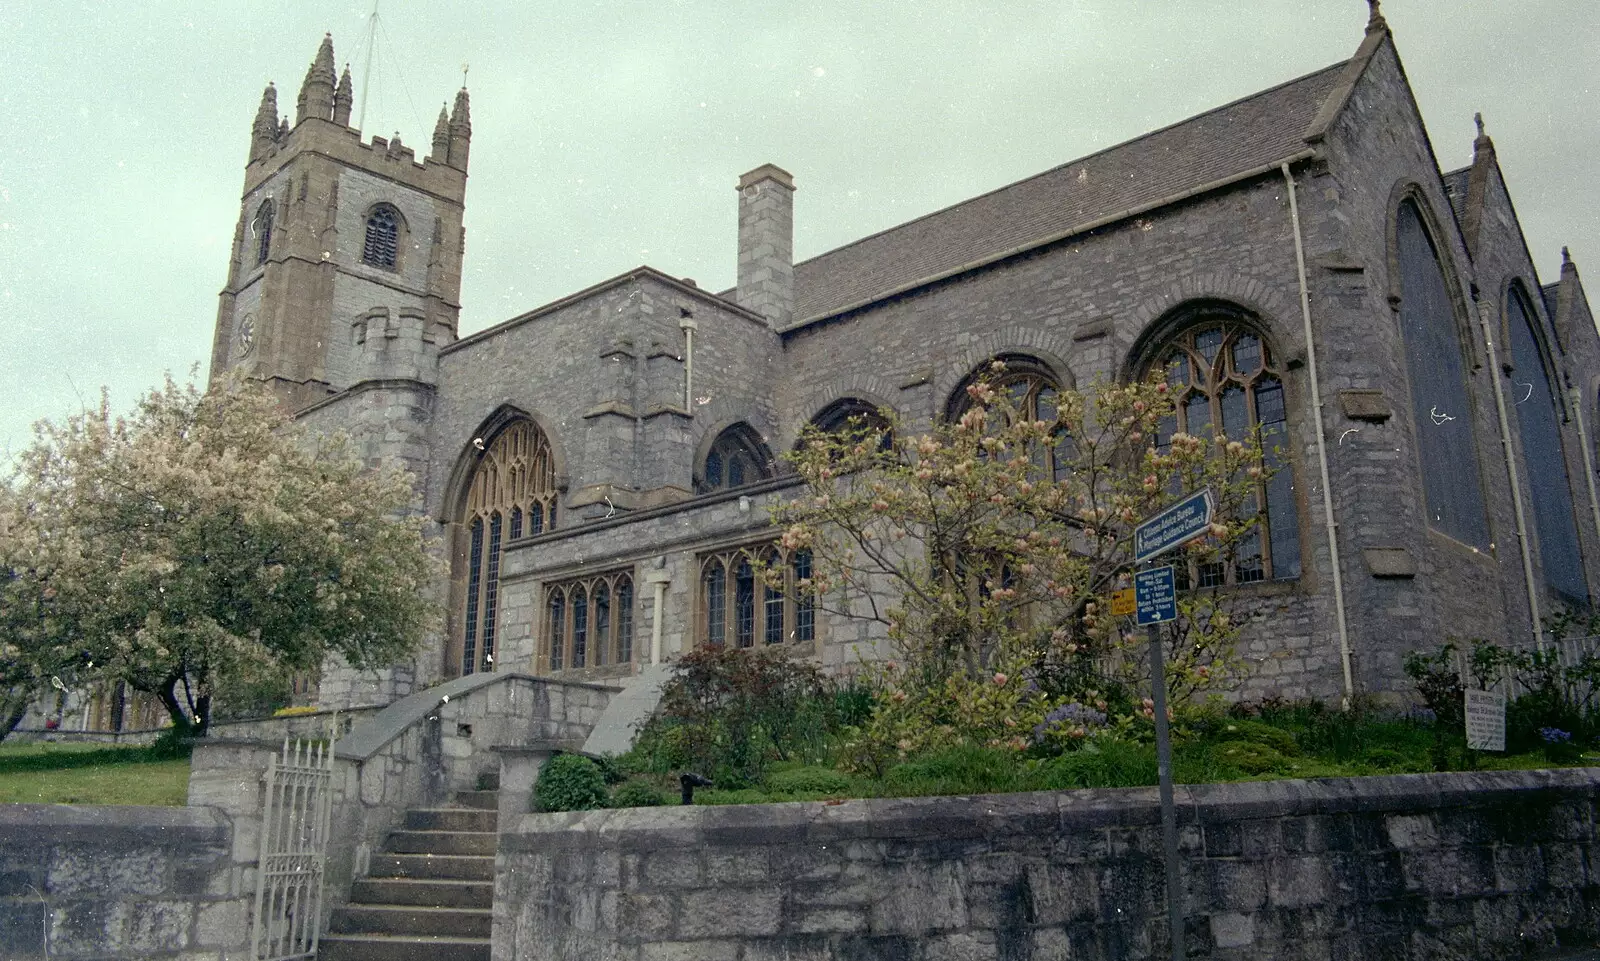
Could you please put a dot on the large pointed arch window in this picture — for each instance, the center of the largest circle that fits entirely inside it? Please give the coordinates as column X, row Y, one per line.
column 1441, row 407
column 1538, row 409
column 512, row 495
column 1227, row 384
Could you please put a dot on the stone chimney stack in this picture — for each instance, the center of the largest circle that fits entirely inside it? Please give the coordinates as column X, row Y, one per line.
column 766, row 244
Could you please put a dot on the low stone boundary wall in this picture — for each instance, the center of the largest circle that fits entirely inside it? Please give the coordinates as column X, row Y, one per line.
column 119, row 882
column 1484, row 865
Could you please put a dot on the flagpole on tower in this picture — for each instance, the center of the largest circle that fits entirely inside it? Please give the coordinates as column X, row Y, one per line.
column 366, row 70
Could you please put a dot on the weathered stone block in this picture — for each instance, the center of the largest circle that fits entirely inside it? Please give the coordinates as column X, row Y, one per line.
column 725, row 912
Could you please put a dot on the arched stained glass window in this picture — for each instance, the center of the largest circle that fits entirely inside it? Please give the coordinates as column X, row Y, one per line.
column 757, row 595
column 1538, row 419
column 512, row 494
column 1226, row 383
column 382, row 245
column 736, row 458
column 261, row 230
column 1034, row 392
column 591, row 622
column 1440, row 404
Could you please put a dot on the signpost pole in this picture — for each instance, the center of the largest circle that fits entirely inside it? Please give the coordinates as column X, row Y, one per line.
column 1155, row 600
column 1169, row 814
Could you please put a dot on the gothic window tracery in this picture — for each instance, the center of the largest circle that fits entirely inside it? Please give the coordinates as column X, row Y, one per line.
column 1538, row 409
column 381, row 247
column 512, row 495
column 1226, row 384
column 1436, row 362
column 1034, row 393
column 756, row 596
column 737, row 457
column 589, row 622
column 261, row 230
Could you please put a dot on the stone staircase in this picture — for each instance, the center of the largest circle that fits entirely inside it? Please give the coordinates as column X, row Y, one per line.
column 428, row 896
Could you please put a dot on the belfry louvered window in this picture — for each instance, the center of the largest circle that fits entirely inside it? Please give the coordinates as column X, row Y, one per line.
column 1539, row 419
column 1227, row 385
column 512, row 495
column 261, row 231
column 382, row 246
column 1441, row 407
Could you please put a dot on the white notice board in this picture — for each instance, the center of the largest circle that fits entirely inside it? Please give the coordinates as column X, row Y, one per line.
column 1486, row 720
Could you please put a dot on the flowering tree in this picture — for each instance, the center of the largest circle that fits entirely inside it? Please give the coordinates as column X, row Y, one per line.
column 203, row 537
column 1000, row 538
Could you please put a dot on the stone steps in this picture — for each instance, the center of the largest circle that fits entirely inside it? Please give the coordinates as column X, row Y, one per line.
column 428, row 896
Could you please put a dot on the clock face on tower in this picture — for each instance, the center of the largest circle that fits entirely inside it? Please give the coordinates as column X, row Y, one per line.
column 247, row 334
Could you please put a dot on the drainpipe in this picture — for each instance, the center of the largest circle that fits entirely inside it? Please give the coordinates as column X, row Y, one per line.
column 1322, row 442
column 659, row 578
column 687, row 325
column 1511, row 467
column 1588, row 454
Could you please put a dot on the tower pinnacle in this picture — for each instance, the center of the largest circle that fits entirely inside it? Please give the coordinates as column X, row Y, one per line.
column 316, row 92
column 460, row 130
column 343, row 98
column 264, row 132
column 441, row 136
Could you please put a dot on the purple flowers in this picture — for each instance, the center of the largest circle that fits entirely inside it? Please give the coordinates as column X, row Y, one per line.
column 1554, row 735
column 1075, row 720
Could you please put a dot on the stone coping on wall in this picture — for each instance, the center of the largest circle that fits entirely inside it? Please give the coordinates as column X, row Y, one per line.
column 31, row 825
column 1042, row 812
column 374, row 733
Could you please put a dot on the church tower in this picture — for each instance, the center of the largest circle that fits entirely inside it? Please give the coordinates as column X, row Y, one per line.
column 346, row 263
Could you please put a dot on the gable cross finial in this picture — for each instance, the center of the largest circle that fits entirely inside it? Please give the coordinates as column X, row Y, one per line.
column 1375, row 16
column 1477, row 118
column 1566, row 257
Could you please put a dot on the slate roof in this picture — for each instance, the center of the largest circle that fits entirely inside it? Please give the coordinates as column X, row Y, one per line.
column 1455, row 187
column 1262, row 129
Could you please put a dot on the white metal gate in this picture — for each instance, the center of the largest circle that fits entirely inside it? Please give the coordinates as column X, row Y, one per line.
column 294, row 846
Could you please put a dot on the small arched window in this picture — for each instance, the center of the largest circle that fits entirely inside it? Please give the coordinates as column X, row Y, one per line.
column 1538, row 417
column 1441, row 407
column 1034, row 393
column 513, row 494
column 261, row 230
column 854, row 419
column 1226, row 383
column 382, row 245
column 737, row 457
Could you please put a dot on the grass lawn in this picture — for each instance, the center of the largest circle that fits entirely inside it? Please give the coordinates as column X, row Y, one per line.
column 63, row 773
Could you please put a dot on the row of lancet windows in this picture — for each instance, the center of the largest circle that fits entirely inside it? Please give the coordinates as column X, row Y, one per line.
column 380, row 246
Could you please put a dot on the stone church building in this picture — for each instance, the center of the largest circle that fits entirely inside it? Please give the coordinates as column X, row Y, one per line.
column 599, row 470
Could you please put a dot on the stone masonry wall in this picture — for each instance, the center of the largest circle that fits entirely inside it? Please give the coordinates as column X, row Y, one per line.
column 119, row 884
column 1459, row 866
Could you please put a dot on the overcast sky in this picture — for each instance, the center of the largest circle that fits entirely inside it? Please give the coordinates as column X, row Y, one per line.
column 610, row 134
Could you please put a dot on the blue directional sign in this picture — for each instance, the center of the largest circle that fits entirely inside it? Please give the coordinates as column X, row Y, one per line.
column 1155, row 595
column 1178, row 524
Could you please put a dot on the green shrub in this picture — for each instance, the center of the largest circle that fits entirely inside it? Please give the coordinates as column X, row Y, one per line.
column 966, row 769
column 1388, row 759
column 569, row 782
column 1100, row 763
column 1251, row 757
column 808, row 780
column 636, row 794
column 1258, row 732
column 727, row 711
